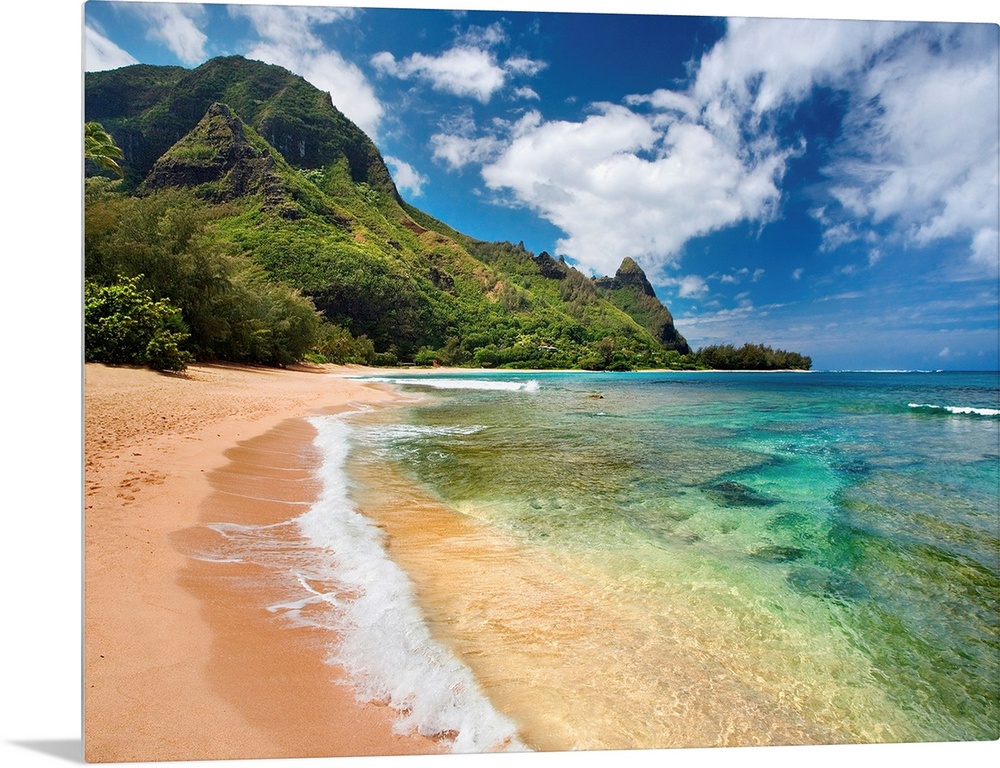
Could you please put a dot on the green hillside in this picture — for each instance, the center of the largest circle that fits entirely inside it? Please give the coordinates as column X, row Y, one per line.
column 270, row 221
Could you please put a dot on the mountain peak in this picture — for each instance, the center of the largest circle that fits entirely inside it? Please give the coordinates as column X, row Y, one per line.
column 630, row 275
column 222, row 157
column 631, row 291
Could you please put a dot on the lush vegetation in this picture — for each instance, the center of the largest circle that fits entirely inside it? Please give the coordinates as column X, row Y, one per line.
column 100, row 149
column 123, row 324
column 756, row 357
column 265, row 228
column 166, row 246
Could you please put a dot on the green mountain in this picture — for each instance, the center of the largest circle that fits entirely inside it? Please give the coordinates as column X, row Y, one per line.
column 630, row 291
column 147, row 109
column 256, row 177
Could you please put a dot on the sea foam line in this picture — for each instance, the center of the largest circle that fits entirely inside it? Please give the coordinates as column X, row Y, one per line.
column 961, row 410
column 384, row 643
column 459, row 383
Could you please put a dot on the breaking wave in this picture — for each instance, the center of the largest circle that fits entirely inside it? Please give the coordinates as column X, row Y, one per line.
column 957, row 410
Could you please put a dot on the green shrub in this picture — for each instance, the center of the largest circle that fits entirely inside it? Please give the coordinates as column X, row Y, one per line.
column 124, row 325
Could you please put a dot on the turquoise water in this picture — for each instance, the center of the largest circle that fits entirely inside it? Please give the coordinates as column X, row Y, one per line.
column 708, row 558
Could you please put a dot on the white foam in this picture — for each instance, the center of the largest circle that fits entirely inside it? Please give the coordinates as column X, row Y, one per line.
column 962, row 410
column 397, row 432
column 385, row 644
column 461, row 383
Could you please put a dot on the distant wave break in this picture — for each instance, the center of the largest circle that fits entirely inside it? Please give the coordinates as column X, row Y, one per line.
column 459, row 383
column 958, row 410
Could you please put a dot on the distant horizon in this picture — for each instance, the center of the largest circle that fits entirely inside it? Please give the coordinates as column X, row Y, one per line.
column 797, row 183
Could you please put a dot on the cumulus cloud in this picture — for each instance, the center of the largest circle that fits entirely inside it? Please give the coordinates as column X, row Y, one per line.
column 407, row 178
column 99, row 53
column 288, row 40
column 622, row 183
column 763, row 64
column 461, row 71
column 690, row 286
column 469, row 69
column 644, row 177
column 920, row 149
column 458, row 151
column 176, row 26
column 521, row 65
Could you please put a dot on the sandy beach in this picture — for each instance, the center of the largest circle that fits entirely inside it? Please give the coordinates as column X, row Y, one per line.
column 182, row 661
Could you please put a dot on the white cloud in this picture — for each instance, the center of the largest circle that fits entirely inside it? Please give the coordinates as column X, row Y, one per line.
column 986, row 250
column 469, row 69
column 288, row 40
column 99, row 53
column 762, row 64
column 735, row 277
column 384, row 62
column 920, row 151
column 176, row 26
column 407, row 178
column 461, row 71
column 690, row 286
column 621, row 184
column 521, row 65
column 289, row 26
column 667, row 101
column 642, row 179
column 458, row 151
column 487, row 37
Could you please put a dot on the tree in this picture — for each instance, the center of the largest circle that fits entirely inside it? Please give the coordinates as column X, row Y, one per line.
column 99, row 147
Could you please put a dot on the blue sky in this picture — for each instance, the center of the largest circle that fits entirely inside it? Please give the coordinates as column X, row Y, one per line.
column 826, row 186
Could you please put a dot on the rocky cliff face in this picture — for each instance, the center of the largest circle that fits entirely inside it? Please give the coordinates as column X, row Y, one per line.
column 222, row 158
column 631, row 291
column 549, row 267
column 629, row 275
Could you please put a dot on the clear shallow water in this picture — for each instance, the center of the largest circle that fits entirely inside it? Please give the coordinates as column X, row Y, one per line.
column 702, row 559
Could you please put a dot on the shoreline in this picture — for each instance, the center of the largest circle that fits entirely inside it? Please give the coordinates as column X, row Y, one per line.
column 192, row 673
column 182, row 660
column 456, row 369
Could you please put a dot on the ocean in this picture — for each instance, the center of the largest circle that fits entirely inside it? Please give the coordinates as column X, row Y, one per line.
column 557, row 561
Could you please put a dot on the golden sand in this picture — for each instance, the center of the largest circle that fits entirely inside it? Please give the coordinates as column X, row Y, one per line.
column 182, row 661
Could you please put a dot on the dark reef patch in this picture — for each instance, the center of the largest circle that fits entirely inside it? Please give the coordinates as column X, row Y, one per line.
column 818, row 582
column 729, row 493
column 775, row 553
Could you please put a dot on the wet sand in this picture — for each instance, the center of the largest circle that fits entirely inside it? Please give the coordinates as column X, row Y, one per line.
column 182, row 660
